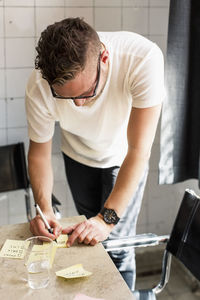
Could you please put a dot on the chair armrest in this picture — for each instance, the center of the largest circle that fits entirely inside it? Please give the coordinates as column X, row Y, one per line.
column 140, row 240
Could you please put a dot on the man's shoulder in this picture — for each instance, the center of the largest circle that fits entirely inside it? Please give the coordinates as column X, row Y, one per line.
column 35, row 76
column 128, row 42
column 35, row 81
column 119, row 36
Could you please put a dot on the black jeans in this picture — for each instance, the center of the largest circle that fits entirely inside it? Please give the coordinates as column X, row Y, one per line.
column 90, row 188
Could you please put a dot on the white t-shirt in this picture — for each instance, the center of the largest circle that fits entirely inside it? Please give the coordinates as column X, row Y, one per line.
column 96, row 134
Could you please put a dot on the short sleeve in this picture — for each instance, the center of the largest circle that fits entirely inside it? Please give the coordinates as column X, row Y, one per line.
column 147, row 80
column 41, row 121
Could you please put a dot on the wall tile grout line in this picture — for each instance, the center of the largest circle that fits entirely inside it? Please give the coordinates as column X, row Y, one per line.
column 5, row 75
column 121, row 14
column 35, row 27
column 93, row 12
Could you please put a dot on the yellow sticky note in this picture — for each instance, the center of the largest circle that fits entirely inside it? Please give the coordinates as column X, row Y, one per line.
column 74, row 271
column 62, row 240
column 14, row 249
column 36, row 253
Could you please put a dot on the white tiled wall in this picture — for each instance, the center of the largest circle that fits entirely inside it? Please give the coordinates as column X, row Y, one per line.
column 49, row 3
column 86, row 12
column 16, row 81
column 21, row 22
column 135, row 3
column 2, row 113
column 46, row 16
column 18, row 2
column 19, row 52
column 132, row 17
column 158, row 20
column 107, row 18
column 2, row 62
column 1, row 22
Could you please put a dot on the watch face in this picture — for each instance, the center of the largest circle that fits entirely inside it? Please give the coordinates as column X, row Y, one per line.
column 110, row 216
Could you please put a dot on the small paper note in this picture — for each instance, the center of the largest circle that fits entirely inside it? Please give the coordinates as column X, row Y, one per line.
column 74, row 271
column 62, row 240
column 14, row 249
column 84, row 297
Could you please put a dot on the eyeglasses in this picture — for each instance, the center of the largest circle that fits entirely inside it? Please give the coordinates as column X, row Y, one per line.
column 82, row 96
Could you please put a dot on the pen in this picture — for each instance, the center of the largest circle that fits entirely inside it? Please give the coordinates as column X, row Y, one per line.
column 50, row 230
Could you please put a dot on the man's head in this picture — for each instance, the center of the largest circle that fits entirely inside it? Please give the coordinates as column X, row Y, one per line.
column 65, row 48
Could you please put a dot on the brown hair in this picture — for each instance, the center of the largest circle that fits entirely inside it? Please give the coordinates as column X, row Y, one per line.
column 63, row 49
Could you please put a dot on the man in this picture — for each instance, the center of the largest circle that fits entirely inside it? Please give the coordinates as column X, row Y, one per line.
column 106, row 91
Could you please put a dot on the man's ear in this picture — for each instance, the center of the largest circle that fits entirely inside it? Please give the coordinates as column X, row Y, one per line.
column 104, row 56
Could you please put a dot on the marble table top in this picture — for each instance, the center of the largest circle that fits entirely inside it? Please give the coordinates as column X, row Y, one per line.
column 105, row 282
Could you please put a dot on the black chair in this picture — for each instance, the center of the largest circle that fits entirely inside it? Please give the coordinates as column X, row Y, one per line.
column 183, row 243
column 55, row 202
column 14, row 176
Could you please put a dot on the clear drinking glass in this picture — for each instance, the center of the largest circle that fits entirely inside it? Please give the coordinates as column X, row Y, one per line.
column 37, row 261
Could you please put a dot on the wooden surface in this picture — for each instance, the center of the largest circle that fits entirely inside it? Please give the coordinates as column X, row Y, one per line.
column 105, row 282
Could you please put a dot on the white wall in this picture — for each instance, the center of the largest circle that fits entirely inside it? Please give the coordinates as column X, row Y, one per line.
column 21, row 22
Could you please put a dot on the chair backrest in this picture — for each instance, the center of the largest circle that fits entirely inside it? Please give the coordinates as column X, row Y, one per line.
column 13, row 170
column 184, row 242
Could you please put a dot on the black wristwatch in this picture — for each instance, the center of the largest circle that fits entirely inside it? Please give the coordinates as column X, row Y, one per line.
column 109, row 216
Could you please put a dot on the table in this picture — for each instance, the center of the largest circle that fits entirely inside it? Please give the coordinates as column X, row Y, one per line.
column 105, row 282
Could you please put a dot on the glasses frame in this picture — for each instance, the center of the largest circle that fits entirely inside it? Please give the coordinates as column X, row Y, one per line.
column 82, row 97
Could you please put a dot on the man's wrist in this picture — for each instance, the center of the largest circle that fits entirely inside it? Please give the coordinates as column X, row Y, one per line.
column 103, row 221
column 47, row 211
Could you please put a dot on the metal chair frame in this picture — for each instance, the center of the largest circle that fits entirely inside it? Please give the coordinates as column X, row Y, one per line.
column 145, row 240
column 181, row 243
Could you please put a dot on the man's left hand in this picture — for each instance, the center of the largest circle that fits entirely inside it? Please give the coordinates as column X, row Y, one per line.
column 91, row 231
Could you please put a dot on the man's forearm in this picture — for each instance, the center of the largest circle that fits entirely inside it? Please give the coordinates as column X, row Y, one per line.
column 140, row 135
column 127, row 181
column 41, row 177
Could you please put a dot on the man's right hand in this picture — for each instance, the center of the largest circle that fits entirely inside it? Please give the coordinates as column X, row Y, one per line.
column 38, row 227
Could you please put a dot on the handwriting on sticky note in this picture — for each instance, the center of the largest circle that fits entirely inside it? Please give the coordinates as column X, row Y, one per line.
column 75, row 271
column 14, row 249
column 84, row 297
column 62, row 240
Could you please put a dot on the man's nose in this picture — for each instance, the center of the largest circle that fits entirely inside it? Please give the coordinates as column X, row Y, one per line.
column 79, row 102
